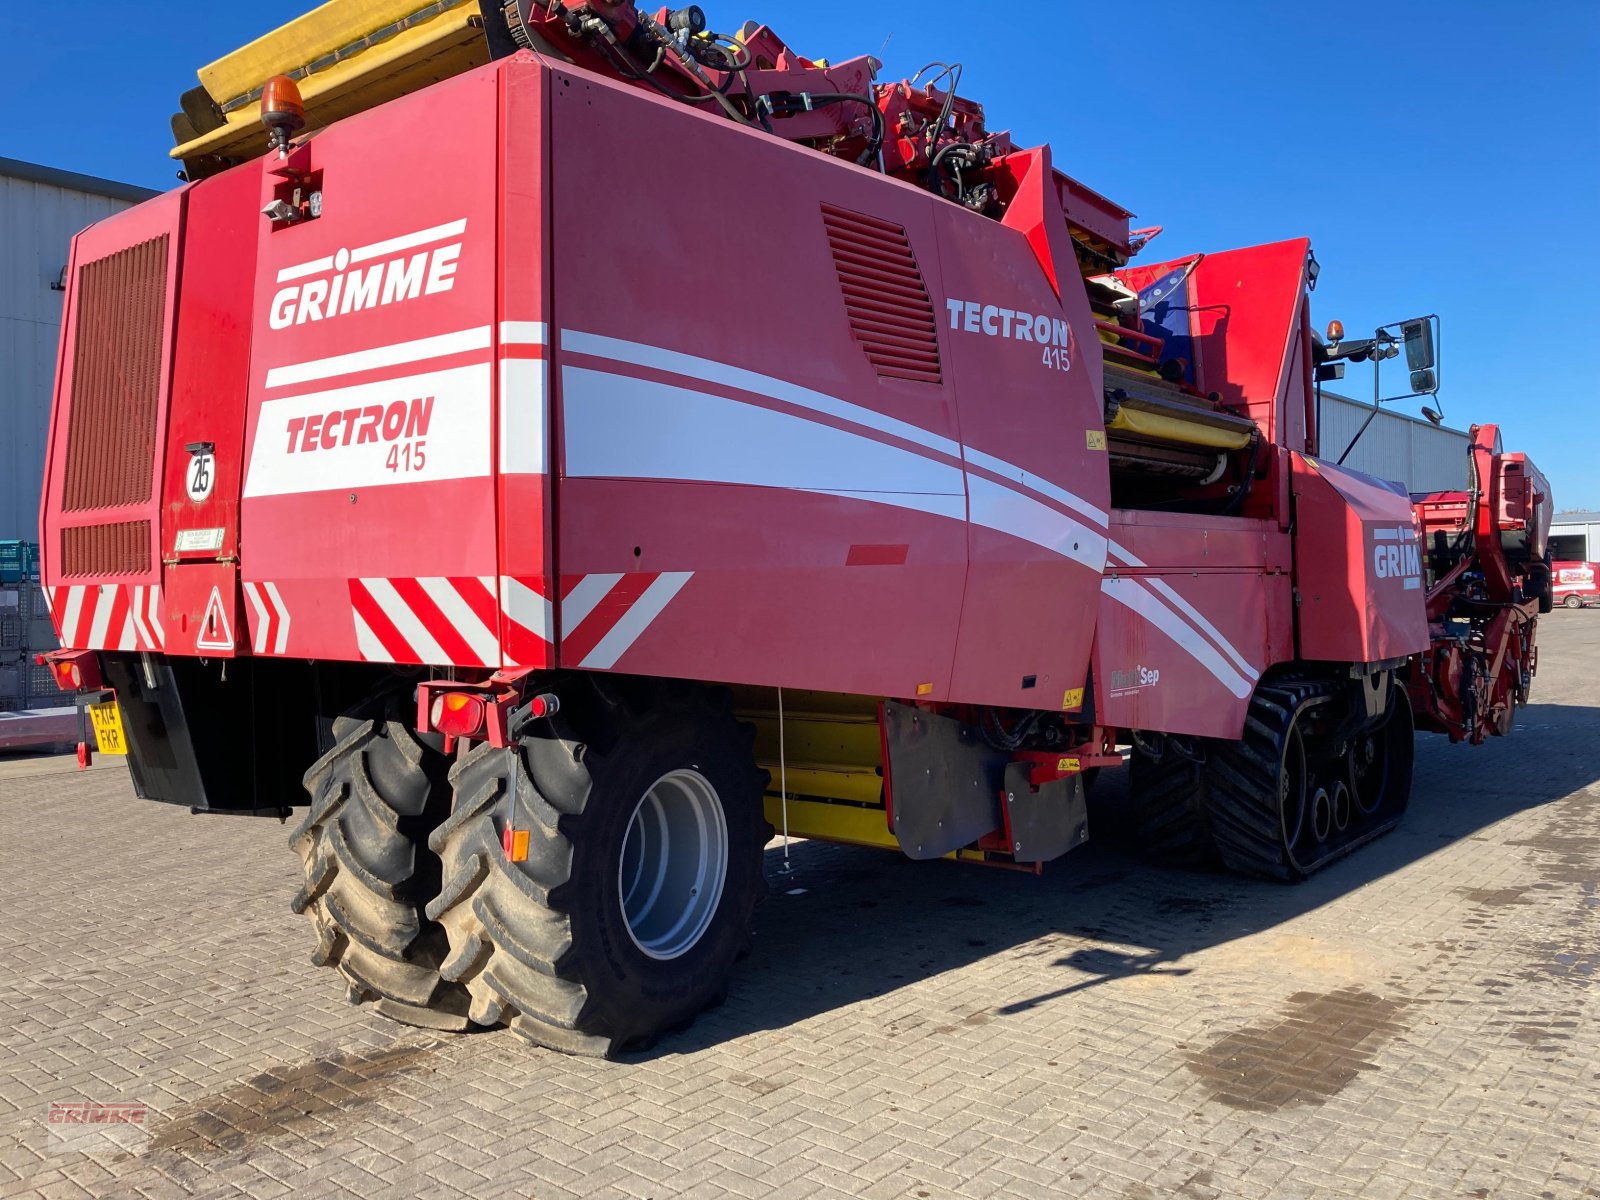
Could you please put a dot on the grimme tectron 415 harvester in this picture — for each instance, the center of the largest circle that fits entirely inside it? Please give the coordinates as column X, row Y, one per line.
column 567, row 441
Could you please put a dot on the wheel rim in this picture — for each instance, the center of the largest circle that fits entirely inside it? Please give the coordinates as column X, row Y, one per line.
column 674, row 864
column 1341, row 806
column 1292, row 789
column 1369, row 769
column 1321, row 815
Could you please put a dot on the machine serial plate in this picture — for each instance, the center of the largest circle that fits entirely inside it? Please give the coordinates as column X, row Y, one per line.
column 198, row 539
column 108, row 734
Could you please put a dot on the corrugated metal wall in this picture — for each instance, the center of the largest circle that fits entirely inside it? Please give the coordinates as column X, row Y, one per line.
column 1576, row 536
column 1424, row 457
column 37, row 222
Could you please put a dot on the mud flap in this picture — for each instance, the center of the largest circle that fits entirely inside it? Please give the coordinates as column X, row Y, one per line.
column 1046, row 823
column 944, row 781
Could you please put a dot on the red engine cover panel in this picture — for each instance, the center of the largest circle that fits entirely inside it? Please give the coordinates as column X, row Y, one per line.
column 781, row 493
column 1358, row 566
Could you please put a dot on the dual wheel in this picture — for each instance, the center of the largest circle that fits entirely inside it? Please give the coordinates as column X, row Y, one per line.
column 1289, row 797
column 644, row 834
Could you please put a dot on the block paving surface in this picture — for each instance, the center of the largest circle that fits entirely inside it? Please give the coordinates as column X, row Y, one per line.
column 1420, row 1020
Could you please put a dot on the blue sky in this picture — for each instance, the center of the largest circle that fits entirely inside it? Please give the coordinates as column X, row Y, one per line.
column 1442, row 157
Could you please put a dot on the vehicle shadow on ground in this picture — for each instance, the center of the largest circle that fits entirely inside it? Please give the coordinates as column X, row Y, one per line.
column 843, row 924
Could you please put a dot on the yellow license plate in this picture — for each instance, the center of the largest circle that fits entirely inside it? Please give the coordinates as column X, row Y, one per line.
column 108, row 733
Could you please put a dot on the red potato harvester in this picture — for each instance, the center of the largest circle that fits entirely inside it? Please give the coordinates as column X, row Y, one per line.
column 454, row 459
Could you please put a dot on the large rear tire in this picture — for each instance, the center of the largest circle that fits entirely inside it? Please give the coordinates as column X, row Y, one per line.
column 374, row 798
column 644, row 865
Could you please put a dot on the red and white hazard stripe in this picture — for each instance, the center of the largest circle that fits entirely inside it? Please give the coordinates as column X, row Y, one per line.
column 452, row 620
column 107, row 616
column 435, row 619
column 271, row 618
column 527, row 620
column 603, row 615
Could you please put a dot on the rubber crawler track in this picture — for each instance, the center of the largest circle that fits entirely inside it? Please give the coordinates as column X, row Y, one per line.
column 363, row 890
column 1170, row 819
column 1242, row 782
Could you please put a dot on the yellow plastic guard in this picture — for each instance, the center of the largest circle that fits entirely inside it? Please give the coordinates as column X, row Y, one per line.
column 346, row 56
column 1172, row 427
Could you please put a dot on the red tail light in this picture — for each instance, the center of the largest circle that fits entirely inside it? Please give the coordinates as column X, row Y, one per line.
column 459, row 714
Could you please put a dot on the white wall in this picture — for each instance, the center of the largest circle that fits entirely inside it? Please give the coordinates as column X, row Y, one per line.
column 37, row 222
column 1422, row 456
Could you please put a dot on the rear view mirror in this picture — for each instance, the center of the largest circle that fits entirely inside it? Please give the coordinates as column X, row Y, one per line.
column 1418, row 337
column 1420, row 354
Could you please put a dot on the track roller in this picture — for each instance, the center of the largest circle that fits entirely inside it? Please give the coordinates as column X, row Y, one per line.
column 644, row 865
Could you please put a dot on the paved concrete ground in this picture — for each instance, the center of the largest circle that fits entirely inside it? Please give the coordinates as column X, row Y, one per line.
column 1418, row 1021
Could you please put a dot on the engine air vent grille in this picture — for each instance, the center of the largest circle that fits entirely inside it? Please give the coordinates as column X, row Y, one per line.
column 116, row 378
column 884, row 295
column 93, row 551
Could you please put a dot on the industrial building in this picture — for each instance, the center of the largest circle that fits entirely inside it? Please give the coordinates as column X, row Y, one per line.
column 1423, row 456
column 1575, row 536
column 40, row 209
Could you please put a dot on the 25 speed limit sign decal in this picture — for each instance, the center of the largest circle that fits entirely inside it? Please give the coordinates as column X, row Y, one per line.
column 202, row 471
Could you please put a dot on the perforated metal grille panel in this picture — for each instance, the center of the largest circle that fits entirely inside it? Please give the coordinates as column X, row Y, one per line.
column 116, row 378
column 887, row 301
column 93, row 551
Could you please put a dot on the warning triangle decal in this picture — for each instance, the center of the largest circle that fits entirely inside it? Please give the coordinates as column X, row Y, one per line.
column 215, row 632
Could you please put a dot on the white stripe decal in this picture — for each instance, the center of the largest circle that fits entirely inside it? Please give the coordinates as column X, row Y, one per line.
column 407, row 240
column 417, row 350
column 154, row 617
column 997, row 507
column 458, row 430
column 1035, row 484
column 636, row 620
column 1123, row 554
column 713, row 371
column 715, row 440
column 526, row 607
column 1187, row 610
column 405, row 621
column 522, row 416
column 69, row 617
column 618, row 426
column 1197, row 617
column 523, row 333
column 259, row 644
column 281, row 642
column 300, row 270
column 953, row 507
column 136, row 611
column 125, row 639
column 467, row 623
column 583, row 598
column 102, row 618
column 367, row 642
column 1128, row 593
